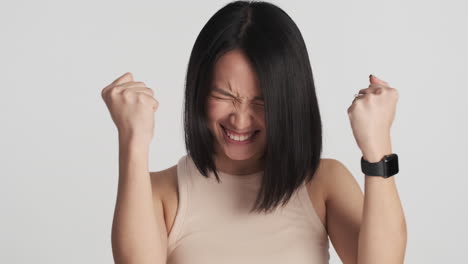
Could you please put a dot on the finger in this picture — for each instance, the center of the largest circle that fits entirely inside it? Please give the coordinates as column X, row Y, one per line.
column 126, row 77
column 149, row 99
column 378, row 85
column 365, row 91
column 350, row 108
column 126, row 85
column 141, row 89
column 358, row 96
column 154, row 102
column 145, row 90
column 375, row 79
column 373, row 88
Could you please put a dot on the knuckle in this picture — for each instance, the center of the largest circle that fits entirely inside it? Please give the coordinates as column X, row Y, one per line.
column 103, row 92
column 156, row 104
column 118, row 88
column 141, row 97
column 113, row 91
column 396, row 93
column 127, row 93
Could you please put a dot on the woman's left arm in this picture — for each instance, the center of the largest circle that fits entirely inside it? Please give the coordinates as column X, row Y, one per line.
column 382, row 235
column 363, row 228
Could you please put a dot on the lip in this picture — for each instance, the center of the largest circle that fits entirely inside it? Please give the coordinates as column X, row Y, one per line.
column 237, row 132
column 232, row 141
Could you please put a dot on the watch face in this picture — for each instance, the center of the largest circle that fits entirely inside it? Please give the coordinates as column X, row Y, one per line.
column 391, row 164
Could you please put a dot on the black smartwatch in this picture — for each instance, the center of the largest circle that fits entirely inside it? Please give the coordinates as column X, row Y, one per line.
column 386, row 167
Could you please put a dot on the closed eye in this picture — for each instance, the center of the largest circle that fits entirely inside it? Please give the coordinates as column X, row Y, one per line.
column 235, row 99
column 221, row 98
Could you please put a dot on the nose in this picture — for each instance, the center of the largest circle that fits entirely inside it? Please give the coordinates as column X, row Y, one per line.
column 242, row 116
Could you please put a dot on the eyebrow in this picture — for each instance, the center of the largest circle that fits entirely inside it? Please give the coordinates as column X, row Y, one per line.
column 229, row 94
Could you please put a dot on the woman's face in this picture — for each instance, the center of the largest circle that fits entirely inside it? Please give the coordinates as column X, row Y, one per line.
column 235, row 106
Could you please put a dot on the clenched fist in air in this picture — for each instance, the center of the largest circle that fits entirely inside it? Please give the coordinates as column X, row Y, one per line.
column 132, row 107
column 371, row 115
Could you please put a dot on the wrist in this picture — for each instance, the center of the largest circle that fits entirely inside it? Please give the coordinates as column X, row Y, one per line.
column 132, row 139
column 133, row 145
column 376, row 155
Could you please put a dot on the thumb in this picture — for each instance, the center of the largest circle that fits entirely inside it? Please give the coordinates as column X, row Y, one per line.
column 375, row 79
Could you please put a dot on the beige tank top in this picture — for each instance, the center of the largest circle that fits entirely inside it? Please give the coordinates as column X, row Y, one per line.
column 212, row 224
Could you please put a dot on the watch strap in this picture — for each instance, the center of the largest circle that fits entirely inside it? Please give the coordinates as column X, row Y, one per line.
column 386, row 167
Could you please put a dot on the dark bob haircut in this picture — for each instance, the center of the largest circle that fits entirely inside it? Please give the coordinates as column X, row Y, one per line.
column 275, row 47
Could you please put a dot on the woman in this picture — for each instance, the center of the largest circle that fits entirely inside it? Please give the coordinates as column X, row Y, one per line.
column 252, row 188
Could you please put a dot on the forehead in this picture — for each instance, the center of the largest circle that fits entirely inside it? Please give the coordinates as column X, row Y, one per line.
column 234, row 72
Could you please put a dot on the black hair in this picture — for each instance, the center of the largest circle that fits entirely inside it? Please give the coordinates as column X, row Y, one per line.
column 274, row 45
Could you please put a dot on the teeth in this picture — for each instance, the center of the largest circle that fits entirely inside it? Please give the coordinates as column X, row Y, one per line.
column 238, row 138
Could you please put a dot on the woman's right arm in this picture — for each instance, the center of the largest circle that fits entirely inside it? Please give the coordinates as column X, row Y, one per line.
column 138, row 231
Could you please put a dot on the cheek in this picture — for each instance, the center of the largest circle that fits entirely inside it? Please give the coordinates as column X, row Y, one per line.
column 215, row 111
column 215, row 108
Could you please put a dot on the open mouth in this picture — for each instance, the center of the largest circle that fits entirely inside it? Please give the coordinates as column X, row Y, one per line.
column 234, row 141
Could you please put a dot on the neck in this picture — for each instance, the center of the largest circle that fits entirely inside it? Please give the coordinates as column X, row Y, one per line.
column 239, row 167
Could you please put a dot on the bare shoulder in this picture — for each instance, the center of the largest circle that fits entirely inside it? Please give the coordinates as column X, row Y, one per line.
column 319, row 187
column 318, row 181
column 327, row 174
column 322, row 176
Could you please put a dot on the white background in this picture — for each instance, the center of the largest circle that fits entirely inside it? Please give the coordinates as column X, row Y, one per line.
column 58, row 144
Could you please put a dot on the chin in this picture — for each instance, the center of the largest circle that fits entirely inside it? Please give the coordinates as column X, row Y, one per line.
column 238, row 156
